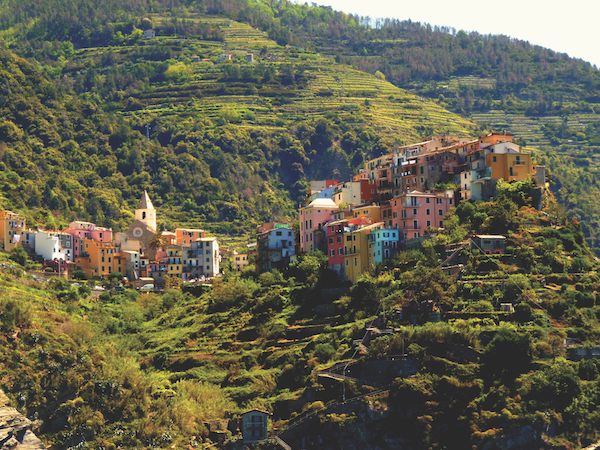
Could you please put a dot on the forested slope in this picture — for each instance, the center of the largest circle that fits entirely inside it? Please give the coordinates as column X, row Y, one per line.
column 221, row 143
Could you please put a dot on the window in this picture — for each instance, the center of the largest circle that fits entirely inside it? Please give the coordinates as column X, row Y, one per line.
column 278, row 233
column 428, row 223
column 494, row 158
column 440, row 212
column 439, row 201
column 441, row 224
column 428, row 212
column 340, row 251
column 414, row 212
column 331, row 241
column 346, row 262
column 339, row 239
column 355, row 262
column 427, row 200
column 450, row 201
column 332, row 252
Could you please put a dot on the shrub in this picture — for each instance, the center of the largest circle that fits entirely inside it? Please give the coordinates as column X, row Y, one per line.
column 324, row 352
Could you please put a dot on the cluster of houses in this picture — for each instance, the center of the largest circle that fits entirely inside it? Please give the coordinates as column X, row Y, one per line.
column 136, row 253
column 393, row 205
column 390, row 205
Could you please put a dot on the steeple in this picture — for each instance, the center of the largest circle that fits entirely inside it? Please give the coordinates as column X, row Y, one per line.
column 145, row 212
column 145, row 202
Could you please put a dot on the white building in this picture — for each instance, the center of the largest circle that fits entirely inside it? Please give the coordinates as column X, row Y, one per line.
column 52, row 245
column 202, row 258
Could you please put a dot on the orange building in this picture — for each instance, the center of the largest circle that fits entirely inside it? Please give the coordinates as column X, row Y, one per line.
column 185, row 236
column 510, row 166
column 99, row 259
column 372, row 212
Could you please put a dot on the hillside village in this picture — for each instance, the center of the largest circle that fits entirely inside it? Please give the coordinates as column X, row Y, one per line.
column 140, row 253
column 395, row 203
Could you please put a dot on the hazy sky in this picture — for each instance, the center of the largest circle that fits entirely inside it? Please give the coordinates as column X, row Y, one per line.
column 571, row 27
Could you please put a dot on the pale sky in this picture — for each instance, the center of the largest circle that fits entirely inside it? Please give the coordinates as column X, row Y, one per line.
column 571, row 27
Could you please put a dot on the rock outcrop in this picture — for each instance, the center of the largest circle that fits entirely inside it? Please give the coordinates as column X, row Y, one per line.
column 15, row 429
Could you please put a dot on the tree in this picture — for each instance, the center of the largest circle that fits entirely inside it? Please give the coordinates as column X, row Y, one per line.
column 115, row 277
column 19, row 255
column 158, row 241
column 508, row 355
column 172, row 282
column 79, row 274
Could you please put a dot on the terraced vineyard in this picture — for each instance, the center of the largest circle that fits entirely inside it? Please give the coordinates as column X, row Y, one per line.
column 328, row 88
column 530, row 128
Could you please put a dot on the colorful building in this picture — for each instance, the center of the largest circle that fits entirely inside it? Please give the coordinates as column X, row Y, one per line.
column 239, row 261
column 275, row 247
column 356, row 250
column 384, row 244
column 185, row 236
column 312, row 219
column 371, row 212
column 414, row 212
column 99, row 259
column 12, row 228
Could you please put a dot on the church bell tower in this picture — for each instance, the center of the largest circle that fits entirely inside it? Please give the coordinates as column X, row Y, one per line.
column 145, row 212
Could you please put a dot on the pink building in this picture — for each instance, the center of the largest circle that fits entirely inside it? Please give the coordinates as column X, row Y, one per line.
column 312, row 220
column 414, row 212
column 87, row 230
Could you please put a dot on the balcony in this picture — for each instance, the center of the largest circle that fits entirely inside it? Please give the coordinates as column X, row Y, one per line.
column 484, row 175
column 412, row 227
column 518, row 163
column 411, row 204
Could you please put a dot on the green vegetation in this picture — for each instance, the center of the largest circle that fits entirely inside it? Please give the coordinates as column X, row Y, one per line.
column 150, row 370
column 230, row 143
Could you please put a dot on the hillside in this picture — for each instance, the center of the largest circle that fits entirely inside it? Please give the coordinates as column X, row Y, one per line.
column 220, row 145
column 152, row 370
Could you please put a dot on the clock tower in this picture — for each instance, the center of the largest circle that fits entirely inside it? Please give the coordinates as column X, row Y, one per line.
column 145, row 212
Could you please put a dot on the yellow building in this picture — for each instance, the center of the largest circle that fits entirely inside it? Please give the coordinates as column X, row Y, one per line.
column 372, row 212
column 174, row 261
column 510, row 166
column 12, row 229
column 356, row 251
column 99, row 259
